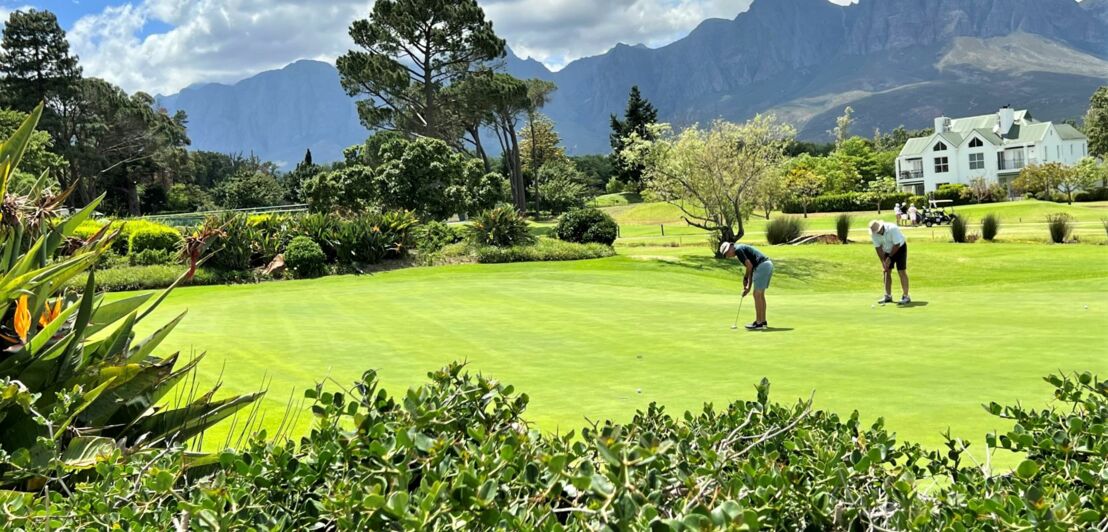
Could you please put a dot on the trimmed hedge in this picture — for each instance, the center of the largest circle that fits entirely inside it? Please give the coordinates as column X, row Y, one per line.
column 305, row 259
column 152, row 277
column 586, row 226
column 154, row 238
column 545, row 249
column 850, row 202
column 1099, row 194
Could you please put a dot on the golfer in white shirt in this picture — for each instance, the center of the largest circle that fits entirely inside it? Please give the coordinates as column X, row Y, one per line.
column 892, row 249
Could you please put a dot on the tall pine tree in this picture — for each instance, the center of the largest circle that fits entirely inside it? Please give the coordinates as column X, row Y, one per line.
column 35, row 64
column 639, row 114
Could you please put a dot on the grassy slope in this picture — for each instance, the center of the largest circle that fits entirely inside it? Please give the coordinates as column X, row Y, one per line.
column 581, row 338
column 1020, row 221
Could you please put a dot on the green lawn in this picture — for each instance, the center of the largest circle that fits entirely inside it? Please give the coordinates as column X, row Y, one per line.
column 583, row 338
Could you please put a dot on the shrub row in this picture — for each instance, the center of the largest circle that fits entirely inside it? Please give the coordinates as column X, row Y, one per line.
column 1100, row 194
column 457, row 453
column 544, row 249
column 850, row 202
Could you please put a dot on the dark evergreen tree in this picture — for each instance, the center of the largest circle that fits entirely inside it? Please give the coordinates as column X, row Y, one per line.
column 1096, row 123
column 308, row 157
column 35, row 63
column 639, row 114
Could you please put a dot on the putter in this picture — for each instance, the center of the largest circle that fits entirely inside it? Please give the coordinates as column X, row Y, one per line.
column 736, row 324
column 886, row 275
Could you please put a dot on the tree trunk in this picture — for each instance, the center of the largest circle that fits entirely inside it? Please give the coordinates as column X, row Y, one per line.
column 480, row 149
column 805, row 210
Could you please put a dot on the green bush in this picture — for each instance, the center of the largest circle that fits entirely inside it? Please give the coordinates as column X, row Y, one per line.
column 956, row 192
column 372, row 238
column 149, row 257
column 433, row 236
column 126, row 278
column 958, row 229
column 457, row 453
column 849, row 202
column 1099, row 194
column 842, row 227
column 1061, row 227
column 234, row 247
column 321, row 228
column 784, row 229
column 990, row 226
column 304, row 258
column 501, row 227
column 587, row 226
column 154, row 237
column 544, row 249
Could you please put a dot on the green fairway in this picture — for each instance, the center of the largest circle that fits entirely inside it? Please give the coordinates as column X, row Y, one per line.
column 582, row 338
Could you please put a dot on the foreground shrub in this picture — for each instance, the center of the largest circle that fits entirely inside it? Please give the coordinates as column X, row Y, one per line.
column 842, row 227
column 784, row 229
column 990, row 226
column 154, row 237
column 456, row 453
column 958, row 229
column 501, row 227
column 1061, row 227
column 233, row 245
column 432, row 236
column 322, row 229
column 304, row 258
column 587, row 226
column 544, row 249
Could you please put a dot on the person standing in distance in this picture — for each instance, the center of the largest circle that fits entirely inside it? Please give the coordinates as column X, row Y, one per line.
column 759, row 271
column 892, row 249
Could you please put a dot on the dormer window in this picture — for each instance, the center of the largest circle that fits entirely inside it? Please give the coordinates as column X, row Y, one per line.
column 940, row 147
column 976, row 143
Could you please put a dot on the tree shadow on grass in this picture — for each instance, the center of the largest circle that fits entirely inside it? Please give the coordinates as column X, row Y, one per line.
column 805, row 269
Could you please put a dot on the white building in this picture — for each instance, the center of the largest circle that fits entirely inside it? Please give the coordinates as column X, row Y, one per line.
column 995, row 147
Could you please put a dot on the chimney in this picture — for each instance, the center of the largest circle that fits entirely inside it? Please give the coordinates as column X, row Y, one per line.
column 942, row 124
column 1005, row 117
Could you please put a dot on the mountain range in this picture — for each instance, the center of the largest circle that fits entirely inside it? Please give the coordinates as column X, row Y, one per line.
column 896, row 62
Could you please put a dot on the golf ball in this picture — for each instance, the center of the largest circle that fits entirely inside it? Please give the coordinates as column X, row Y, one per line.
column 638, row 390
column 873, row 306
column 1086, row 307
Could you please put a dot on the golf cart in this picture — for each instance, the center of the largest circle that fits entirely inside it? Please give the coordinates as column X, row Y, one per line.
column 935, row 213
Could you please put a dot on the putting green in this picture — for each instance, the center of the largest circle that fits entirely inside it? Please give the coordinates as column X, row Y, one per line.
column 583, row 338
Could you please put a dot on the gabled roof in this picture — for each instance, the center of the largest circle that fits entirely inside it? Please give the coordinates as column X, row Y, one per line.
column 1068, row 132
column 952, row 139
column 1028, row 132
column 916, row 146
column 988, row 135
column 970, row 123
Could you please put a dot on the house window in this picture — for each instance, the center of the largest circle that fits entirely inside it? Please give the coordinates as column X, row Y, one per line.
column 942, row 165
column 940, row 147
column 976, row 143
column 977, row 161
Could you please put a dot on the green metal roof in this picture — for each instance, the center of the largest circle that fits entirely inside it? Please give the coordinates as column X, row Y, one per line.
column 1028, row 133
column 1068, row 132
column 916, row 146
column 970, row 123
column 988, row 135
column 952, row 138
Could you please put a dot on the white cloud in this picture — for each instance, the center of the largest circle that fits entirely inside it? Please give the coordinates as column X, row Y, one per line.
column 227, row 40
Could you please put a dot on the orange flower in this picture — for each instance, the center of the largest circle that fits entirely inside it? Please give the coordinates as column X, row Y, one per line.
column 22, row 320
column 50, row 314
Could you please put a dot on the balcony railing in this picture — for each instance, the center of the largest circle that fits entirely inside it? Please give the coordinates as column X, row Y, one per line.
column 1010, row 165
column 908, row 175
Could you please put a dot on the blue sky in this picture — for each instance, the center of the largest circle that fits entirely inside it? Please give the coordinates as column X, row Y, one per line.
column 161, row 46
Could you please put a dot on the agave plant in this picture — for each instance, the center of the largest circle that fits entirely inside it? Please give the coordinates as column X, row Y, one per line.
column 75, row 380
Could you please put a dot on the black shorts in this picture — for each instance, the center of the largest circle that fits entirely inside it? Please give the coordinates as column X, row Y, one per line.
column 900, row 259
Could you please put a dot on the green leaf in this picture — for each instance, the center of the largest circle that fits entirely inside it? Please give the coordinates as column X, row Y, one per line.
column 397, row 504
column 147, row 345
column 83, row 451
column 11, row 151
column 1027, row 469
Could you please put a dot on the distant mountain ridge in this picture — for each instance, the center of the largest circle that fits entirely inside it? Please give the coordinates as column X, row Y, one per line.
column 895, row 61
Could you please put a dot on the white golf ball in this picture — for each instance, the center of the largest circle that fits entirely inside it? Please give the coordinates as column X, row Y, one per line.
column 873, row 306
column 1086, row 307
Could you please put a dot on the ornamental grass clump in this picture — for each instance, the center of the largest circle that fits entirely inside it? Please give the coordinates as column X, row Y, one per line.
column 501, row 227
column 958, row 229
column 784, row 229
column 990, row 226
column 842, row 227
column 1061, row 227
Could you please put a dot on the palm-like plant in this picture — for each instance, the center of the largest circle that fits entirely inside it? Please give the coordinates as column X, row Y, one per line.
column 75, row 381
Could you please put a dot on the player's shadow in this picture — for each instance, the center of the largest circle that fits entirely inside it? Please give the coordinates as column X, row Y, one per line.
column 776, row 329
column 914, row 304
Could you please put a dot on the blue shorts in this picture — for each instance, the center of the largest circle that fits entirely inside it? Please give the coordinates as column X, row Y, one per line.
column 762, row 275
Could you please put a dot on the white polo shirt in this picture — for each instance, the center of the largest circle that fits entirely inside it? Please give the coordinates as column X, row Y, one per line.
column 892, row 237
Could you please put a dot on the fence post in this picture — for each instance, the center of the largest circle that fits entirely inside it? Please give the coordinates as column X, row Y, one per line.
column 663, row 226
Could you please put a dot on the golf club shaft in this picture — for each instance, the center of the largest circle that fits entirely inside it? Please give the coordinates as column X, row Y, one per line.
column 737, row 313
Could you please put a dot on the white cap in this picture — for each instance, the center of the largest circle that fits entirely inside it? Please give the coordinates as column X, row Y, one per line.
column 725, row 247
column 875, row 226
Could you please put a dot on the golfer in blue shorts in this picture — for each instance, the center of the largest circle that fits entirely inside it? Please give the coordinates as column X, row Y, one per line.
column 759, row 271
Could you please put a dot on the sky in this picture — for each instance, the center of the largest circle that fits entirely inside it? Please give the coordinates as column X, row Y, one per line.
column 161, row 46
